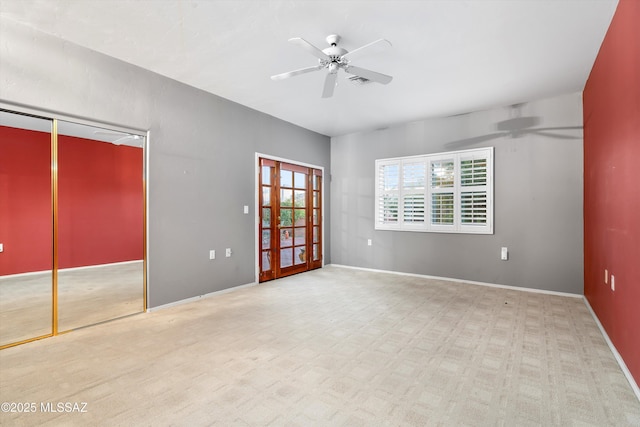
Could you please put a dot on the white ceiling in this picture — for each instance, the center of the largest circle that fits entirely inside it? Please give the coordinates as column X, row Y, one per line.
column 448, row 57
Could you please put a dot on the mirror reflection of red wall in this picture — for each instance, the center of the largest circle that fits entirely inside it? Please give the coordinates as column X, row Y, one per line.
column 100, row 187
column 25, row 201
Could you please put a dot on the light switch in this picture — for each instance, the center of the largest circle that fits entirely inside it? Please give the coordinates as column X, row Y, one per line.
column 504, row 254
column 212, row 254
column 1, row 247
column 227, row 252
column 613, row 283
column 246, row 209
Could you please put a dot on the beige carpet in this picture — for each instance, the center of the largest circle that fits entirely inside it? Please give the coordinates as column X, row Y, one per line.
column 332, row 347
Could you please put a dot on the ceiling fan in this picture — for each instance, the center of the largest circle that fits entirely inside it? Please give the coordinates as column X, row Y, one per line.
column 125, row 138
column 333, row 59
column 515, row 127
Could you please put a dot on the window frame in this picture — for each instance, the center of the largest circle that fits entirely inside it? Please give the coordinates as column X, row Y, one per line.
column 472, row 212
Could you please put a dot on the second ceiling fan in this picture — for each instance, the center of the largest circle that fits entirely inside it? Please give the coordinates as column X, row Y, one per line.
column 333, row 59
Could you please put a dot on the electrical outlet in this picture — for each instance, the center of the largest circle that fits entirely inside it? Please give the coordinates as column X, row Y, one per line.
column 227, row 252
column 246, row 209
column 613, row 283
column 1, row 247
column 369, row 242
column 212, row 254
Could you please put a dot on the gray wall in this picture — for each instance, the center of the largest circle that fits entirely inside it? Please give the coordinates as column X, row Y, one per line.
column 537, row 192
column 202, row 154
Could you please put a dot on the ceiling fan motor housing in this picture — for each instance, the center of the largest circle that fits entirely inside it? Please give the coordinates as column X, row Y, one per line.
column 334, row 52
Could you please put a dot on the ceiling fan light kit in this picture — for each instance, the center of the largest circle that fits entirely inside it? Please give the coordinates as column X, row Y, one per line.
column 334, row 58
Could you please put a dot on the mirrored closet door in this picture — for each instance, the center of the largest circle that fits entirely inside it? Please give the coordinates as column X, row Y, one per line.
column 100, row 225
column 26, row 228
column 72, row 240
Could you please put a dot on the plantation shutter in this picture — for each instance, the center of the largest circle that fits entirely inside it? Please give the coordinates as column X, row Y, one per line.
column 413, row 192
column 474, row 191
column 446, row 192
column 442, row 191
column 388, row 189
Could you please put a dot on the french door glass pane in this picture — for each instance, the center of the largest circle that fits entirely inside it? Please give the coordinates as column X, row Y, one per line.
column 316, row 233
column 286, row 257
column 286, row 178
column 266, row 217
column 300, row 235
column 299, row 257
column 266, row 239
column 299, row 215
column 300, row 180
column 266, row 260
column 315, row 252
column 266, row 196
column 286, row 197
column 266, row 175
column 286, row 239
column 300, row 198
column 286, row 217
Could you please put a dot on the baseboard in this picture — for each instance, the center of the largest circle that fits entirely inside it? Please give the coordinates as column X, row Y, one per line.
column 88, row 267
column 619, row 359
column 471, row 282
column 199, row 297
column 61, row 270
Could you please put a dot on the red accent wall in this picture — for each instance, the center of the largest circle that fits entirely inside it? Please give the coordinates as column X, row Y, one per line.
column 612, row 183
column 26, row 225
column 100, row 202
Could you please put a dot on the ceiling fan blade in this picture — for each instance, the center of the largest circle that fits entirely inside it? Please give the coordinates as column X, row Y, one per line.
column 366, row 46
column 552, row 135
column 122, row 140
column 108, row 133
column 516, row 124
column 474, row 140
column 560, row 128
column 329, row 85
column 133, row 140
column 368, row 74
column 310, row 48
column 295, row 72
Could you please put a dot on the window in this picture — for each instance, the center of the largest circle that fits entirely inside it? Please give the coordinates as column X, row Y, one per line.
column 446, row 192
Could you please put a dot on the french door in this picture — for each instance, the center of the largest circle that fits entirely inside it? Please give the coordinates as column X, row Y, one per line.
column 290, row 230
